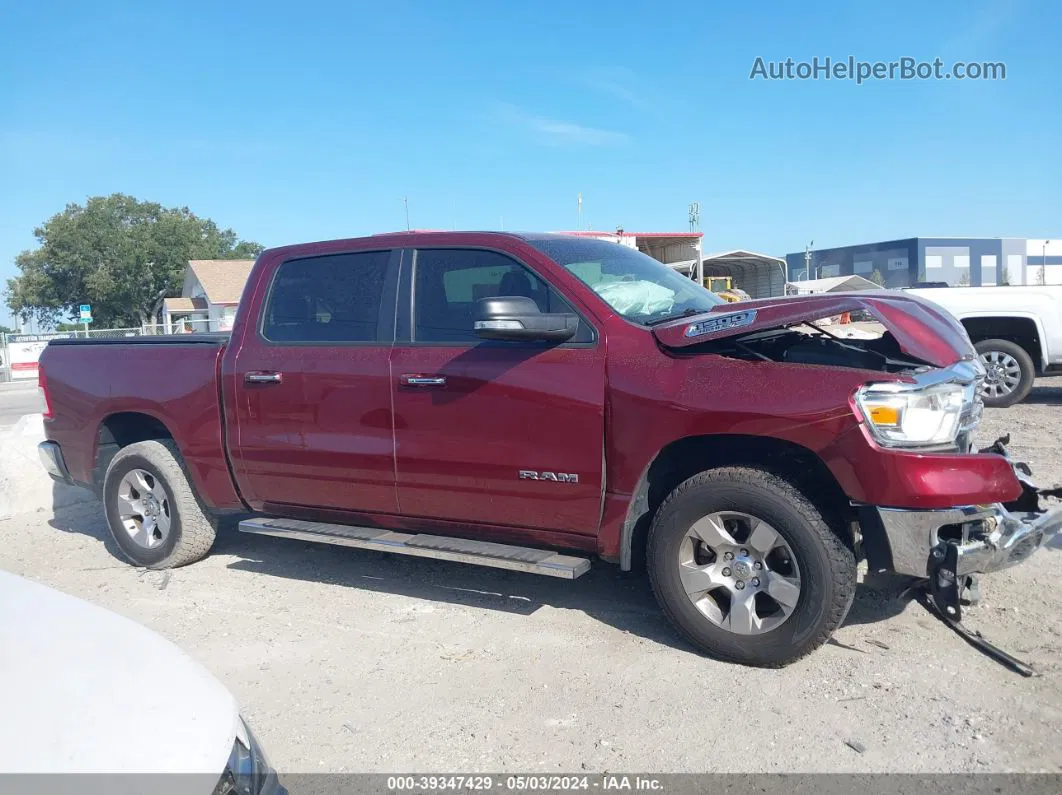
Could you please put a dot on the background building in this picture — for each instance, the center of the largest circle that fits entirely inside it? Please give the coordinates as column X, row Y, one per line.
column 958, row 261
column 680, row 250
column 760, row 275
column 209, row 297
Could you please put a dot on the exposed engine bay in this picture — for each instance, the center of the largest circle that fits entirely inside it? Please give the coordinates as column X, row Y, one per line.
column 807, row 343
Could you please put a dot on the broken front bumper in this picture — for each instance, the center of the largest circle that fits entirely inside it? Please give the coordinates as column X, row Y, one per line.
column 986, row 537
column 971, row 539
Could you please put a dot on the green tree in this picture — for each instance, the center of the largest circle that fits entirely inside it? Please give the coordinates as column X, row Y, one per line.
column 877, row 278
column 5, row 330
column 121, row 255
column 964, row 279
column 1004, row 275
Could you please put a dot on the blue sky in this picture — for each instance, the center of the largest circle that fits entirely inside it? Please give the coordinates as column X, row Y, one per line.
column 311, row 120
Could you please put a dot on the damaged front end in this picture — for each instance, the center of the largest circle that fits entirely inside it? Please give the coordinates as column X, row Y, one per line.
column 927, row 503
column 991, row 537
column 925, row 401
column 970, row 539
column 986, row 539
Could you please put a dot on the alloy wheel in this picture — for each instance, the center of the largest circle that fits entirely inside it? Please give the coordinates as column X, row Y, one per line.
column 144, row 508
column 739, row 572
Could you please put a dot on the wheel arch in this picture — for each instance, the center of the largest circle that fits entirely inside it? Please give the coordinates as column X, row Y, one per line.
column 682, row 458
column 121, row 429
column 1023, row 330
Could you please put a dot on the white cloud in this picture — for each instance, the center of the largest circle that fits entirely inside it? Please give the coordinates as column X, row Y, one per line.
column 557, row 132
column 616, row 81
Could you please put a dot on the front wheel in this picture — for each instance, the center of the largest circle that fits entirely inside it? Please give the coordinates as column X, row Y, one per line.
column 153, row 513
column 747, row 569
column 1009, row 372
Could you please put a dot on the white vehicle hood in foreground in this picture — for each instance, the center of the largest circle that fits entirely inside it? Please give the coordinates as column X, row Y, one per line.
column 86, row 690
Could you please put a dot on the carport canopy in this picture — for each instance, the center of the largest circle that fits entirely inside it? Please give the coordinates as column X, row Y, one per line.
column 759, row 275
column 834, row 284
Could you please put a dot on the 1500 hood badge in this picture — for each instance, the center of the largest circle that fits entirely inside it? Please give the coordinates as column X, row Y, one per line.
column 721, row 323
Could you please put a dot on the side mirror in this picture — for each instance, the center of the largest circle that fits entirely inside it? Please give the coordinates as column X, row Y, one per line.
column 518, row 318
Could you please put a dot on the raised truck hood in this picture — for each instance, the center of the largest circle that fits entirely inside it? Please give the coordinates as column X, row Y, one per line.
column 923, row 330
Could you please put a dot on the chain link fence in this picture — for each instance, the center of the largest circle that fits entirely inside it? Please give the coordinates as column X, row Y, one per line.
column 180, row 326
column 19, row 352
column 107, row 333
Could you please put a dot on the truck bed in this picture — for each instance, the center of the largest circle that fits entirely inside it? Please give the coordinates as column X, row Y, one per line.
column 99, row 389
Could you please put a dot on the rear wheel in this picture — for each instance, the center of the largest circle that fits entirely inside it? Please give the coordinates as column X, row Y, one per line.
column 746, row 568
column 1009, row 372
column 153, row 513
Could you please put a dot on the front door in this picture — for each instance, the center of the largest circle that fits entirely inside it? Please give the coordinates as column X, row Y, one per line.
column 313, row 388
column 499, row 433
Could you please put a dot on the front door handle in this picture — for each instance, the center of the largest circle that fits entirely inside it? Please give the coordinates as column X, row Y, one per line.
column 260, row 377
column 422, row 380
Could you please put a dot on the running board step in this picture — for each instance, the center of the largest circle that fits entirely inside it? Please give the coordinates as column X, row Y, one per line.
column 462, row 550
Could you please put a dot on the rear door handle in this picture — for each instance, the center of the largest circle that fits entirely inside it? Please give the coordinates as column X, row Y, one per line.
column 422, row 380
column 263, row 378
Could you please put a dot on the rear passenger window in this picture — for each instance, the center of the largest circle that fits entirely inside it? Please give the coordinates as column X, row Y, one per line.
column 450, row 281
column 327, row 299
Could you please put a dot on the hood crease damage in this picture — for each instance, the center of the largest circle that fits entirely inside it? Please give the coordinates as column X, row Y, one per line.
column 916, row 334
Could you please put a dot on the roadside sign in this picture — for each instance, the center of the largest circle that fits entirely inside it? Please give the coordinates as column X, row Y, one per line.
column 25, row 349
column 86, row 313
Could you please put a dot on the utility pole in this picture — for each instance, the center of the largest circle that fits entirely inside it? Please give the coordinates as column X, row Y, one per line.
column 405, row 201
column 695, row 226
column 580, row 226
column 807, row 260
column 1043, row 265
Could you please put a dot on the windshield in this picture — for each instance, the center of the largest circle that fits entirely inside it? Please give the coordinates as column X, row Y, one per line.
column 635, row 285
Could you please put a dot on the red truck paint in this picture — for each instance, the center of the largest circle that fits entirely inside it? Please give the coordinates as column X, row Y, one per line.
column 87, row 384
column 341, row 439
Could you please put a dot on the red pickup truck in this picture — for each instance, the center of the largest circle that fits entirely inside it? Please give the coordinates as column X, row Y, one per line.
column 532, row 401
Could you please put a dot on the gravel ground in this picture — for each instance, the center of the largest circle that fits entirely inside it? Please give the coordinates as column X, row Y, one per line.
column 353, row 661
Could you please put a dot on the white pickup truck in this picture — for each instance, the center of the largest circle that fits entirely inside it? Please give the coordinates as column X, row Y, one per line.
column 1016, row 329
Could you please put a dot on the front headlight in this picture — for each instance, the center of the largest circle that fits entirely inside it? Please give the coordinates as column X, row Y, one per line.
column 247, row 771
column 920, row 417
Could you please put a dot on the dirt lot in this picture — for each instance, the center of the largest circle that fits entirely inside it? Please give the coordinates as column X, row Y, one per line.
column 354, row 661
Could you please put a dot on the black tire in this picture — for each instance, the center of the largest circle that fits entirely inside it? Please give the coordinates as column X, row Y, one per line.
column 1025, row 365
column 827, row 565
column 192, row 528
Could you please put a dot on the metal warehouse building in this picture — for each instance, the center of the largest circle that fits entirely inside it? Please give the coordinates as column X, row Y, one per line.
column 760, row 275
column 974, row 261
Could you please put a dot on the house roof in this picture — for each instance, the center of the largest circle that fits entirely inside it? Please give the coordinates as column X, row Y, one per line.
column 222, row 279
column 186, row 305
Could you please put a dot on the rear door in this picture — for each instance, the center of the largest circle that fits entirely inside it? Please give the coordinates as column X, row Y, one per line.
column 498, row 433
column 313, row 388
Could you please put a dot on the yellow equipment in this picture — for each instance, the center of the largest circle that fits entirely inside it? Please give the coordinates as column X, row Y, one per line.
column 723, row 286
